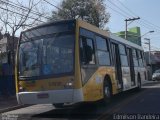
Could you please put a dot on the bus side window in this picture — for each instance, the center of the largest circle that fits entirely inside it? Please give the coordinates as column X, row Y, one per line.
column 103, row 51
column 135, row 59
column 143, row 58
column 140, row 59
column 123, row 55
column 87, row 51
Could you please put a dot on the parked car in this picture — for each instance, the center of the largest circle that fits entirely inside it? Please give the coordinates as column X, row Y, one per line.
column 156, row 75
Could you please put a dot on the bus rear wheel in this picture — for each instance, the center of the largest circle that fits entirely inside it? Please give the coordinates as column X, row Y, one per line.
column 139, row 83
column 107, row 92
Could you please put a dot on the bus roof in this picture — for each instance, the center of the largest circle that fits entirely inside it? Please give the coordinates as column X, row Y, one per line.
column 49, row 23
column 107, row 34
column 124, row 41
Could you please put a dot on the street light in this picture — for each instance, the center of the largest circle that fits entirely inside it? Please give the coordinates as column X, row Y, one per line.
column 142, row 35
column 147, row 33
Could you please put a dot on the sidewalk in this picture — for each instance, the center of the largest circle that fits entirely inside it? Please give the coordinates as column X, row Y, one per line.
column 7, row 102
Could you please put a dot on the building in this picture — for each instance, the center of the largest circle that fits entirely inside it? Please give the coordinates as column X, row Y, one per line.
column 133, row 35
column 7, row 46
column 154, row 60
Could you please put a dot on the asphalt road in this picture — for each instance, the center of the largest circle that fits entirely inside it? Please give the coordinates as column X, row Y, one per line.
column 144, row 102
column 143, row 105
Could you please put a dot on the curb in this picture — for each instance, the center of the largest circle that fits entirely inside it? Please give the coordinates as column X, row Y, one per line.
column 13, row 108
column 149, row 82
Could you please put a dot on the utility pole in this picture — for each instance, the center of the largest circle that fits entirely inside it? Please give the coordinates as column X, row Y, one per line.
column 149, row 46
column 149, row 56
column 130, row 19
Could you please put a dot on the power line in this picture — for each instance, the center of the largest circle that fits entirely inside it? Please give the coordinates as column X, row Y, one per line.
column 118, row 12
column 124, row 15
column 120, row 8
column 151, row 23
column 126, row 8
column 52, row 4
column 147, row 26
column 144, row 24
column 146, row 21
column 23, row 8
column 20, row 14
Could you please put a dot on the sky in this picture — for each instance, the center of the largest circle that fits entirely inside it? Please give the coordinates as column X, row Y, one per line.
column 120, row 10
column 147, row 10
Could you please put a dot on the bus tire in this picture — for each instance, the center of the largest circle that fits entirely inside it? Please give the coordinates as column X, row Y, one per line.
column 139, row 83
column 58, row 105
column 107, row 92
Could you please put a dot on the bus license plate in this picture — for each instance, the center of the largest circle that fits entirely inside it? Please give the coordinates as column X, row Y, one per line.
column 43, row 95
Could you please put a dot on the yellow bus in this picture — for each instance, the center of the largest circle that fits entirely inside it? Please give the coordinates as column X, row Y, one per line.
column 72, row 61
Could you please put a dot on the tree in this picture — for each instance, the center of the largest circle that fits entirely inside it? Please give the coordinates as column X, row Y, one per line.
column 92, row 11
column 17, row 15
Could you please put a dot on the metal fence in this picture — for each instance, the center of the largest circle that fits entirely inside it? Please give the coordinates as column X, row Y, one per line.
column 7, row 80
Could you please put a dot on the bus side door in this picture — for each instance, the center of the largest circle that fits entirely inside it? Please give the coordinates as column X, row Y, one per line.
column 117, row 65
column 131, row 65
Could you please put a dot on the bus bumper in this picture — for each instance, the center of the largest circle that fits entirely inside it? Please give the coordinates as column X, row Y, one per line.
column 51, row 97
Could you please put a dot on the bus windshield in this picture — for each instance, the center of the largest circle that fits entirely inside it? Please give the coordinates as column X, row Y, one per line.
column 46, row 55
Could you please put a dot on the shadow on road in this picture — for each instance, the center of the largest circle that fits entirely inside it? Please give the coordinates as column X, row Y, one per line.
column 81, row 111
column 86, row 110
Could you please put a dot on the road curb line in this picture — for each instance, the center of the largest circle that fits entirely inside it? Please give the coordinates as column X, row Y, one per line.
column 12, row 108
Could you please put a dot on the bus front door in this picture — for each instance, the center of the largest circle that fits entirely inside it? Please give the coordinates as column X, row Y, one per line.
column 117, row 64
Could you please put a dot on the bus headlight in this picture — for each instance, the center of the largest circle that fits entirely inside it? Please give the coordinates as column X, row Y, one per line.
column 21, row 89
column 69, row 84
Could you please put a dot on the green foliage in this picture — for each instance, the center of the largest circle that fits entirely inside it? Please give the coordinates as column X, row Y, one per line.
column 92, row 11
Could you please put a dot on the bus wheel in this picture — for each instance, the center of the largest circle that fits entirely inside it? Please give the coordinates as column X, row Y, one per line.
column 58, row 105
column 139, row 83
column 107, row 92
